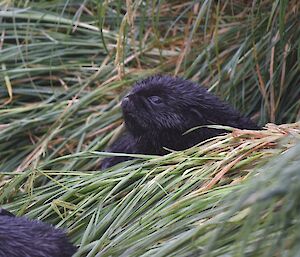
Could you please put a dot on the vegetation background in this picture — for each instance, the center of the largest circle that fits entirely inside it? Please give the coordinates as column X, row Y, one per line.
column 65, row 65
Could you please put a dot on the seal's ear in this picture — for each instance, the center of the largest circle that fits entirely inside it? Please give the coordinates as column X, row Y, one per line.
column 4, row 212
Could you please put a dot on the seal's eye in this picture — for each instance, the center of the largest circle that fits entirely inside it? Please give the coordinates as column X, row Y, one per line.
column 155, row 99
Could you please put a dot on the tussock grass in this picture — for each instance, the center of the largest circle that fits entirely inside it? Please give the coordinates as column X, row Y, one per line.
column 65, row 67
column 176, row 204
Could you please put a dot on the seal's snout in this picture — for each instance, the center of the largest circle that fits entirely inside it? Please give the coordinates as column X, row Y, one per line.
column 127, row 103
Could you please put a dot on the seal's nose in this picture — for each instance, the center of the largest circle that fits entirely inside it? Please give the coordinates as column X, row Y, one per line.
column 125, row 102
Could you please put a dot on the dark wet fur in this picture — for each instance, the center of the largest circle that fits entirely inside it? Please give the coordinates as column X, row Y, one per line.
column 21, row 237
column 4, row 212
column 158, row 111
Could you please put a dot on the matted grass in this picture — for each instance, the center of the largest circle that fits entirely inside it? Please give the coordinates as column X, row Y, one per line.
column 202, row 200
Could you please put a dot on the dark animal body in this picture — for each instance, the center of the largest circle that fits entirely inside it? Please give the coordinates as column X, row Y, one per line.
column 21, row 237
column 160, row 109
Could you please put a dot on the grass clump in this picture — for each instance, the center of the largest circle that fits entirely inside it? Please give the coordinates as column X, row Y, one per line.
column 201, row 200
